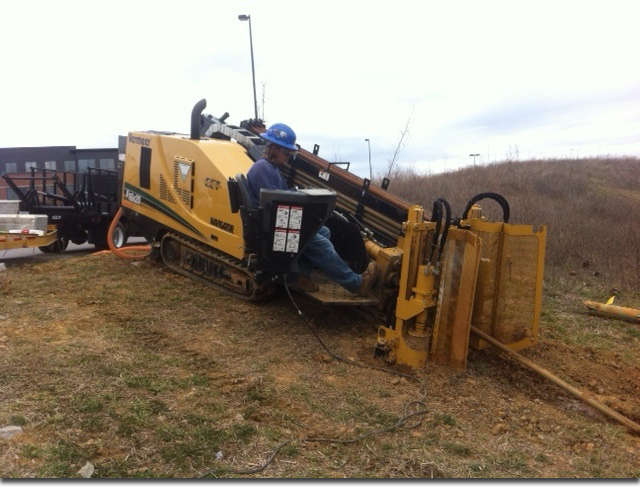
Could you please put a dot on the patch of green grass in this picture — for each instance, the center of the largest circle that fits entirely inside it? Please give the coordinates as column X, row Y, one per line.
column 260, row 391
column 194, row 419
column 196, row 380
column 18, row 420
column 56, row 470
column 596, row 467
column 542, row 458
column 458, row 449
column 148, row 382
column 301, row 392
column 352, row 405
column 62, row 460
column 387, row 446
column 340, row 369
column 273, row 434
column 157, row 406
column 431, row 438
column 194, row 446
column 94, row 423
column 89, row 403
column 475, row 468
column 137, row 416
column 631, row 330
column 514, row 463
column 446, row 419
column 243, row 432
column 31, row 451
column 290, row 450
column 169, row 431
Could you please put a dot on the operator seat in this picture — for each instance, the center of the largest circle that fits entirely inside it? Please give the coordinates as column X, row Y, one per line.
column 240, row 201
column 243, row 187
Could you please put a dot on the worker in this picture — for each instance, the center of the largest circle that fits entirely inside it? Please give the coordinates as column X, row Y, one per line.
column 319, row 252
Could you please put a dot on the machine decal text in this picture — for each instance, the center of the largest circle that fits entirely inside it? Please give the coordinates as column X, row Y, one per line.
column 132, row 197
column 211, row 183
column 225, row 226
column 143, row 141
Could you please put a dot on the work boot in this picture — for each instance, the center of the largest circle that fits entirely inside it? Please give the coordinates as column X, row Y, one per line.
column 368, row 278
column 304, row 284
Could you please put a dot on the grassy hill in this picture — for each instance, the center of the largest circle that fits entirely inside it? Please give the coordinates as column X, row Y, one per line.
column 591, row 208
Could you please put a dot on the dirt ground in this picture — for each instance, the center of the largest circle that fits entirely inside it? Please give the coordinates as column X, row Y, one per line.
column 144, row 373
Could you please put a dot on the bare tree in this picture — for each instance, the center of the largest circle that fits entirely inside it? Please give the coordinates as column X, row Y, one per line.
column 403, row 140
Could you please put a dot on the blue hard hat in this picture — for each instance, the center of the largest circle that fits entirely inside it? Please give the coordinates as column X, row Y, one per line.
column 282, row 135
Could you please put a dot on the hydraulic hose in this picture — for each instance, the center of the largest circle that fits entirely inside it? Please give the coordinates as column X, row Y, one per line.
column 447, row 224
column 120, row 252
column 437, row 217
column 501, row 200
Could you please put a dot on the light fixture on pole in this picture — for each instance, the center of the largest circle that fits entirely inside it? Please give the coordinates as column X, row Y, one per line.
column 243, row 17
column 474, row 157
column 370, row 170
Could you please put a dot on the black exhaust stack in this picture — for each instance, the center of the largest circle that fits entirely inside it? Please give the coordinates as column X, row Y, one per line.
column 195, row 118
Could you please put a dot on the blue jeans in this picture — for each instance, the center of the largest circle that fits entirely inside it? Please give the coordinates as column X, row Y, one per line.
column 320, row 253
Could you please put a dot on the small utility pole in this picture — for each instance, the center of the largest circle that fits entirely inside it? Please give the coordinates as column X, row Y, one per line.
column 243, row 17
column 370, row 169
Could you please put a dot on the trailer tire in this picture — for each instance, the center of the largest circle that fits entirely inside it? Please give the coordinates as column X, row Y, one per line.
column 57, row 246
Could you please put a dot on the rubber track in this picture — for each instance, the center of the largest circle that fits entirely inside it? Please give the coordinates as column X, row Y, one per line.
column 230, row 264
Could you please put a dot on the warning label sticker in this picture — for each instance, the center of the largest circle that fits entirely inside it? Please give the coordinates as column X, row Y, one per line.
column 282, row 216
column 293, row 241
column 279, row 240
column 295, row 218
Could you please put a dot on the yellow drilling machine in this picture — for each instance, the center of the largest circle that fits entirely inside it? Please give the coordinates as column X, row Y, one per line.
column 442, row 276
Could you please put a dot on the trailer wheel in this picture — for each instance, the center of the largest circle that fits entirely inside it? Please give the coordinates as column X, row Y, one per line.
column 57, row 246
column 119, row 237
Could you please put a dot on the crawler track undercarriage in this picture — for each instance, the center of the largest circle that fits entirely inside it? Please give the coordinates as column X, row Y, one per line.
column 214, row 268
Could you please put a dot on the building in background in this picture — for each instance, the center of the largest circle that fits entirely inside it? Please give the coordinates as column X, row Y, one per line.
column 16, row 161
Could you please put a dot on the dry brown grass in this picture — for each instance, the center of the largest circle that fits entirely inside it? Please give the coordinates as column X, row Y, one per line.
column 145, row 373
column 591, row 208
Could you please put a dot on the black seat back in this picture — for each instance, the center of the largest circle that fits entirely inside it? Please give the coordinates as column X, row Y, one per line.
column 240, row 201
column 245, row 196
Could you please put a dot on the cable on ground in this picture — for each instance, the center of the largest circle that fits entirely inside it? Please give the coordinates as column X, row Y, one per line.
column 403, row 422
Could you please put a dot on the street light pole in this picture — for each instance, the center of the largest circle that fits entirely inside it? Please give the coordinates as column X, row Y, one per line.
column 370, row 170
column 474, row 157
column 243, row 17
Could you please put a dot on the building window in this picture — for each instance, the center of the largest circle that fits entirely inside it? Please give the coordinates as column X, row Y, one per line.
column 70, row 165
column 29, row 164
column 84, row 165
column 107, row 163
column 11, row 168
column 51, row 164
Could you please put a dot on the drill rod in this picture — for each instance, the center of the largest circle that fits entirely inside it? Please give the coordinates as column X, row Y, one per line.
column 561, row 383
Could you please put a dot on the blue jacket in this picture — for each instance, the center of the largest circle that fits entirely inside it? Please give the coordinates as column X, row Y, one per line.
column 263, row 174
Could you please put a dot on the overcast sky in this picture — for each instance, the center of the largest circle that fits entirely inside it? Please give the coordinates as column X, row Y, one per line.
column 500, row 79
